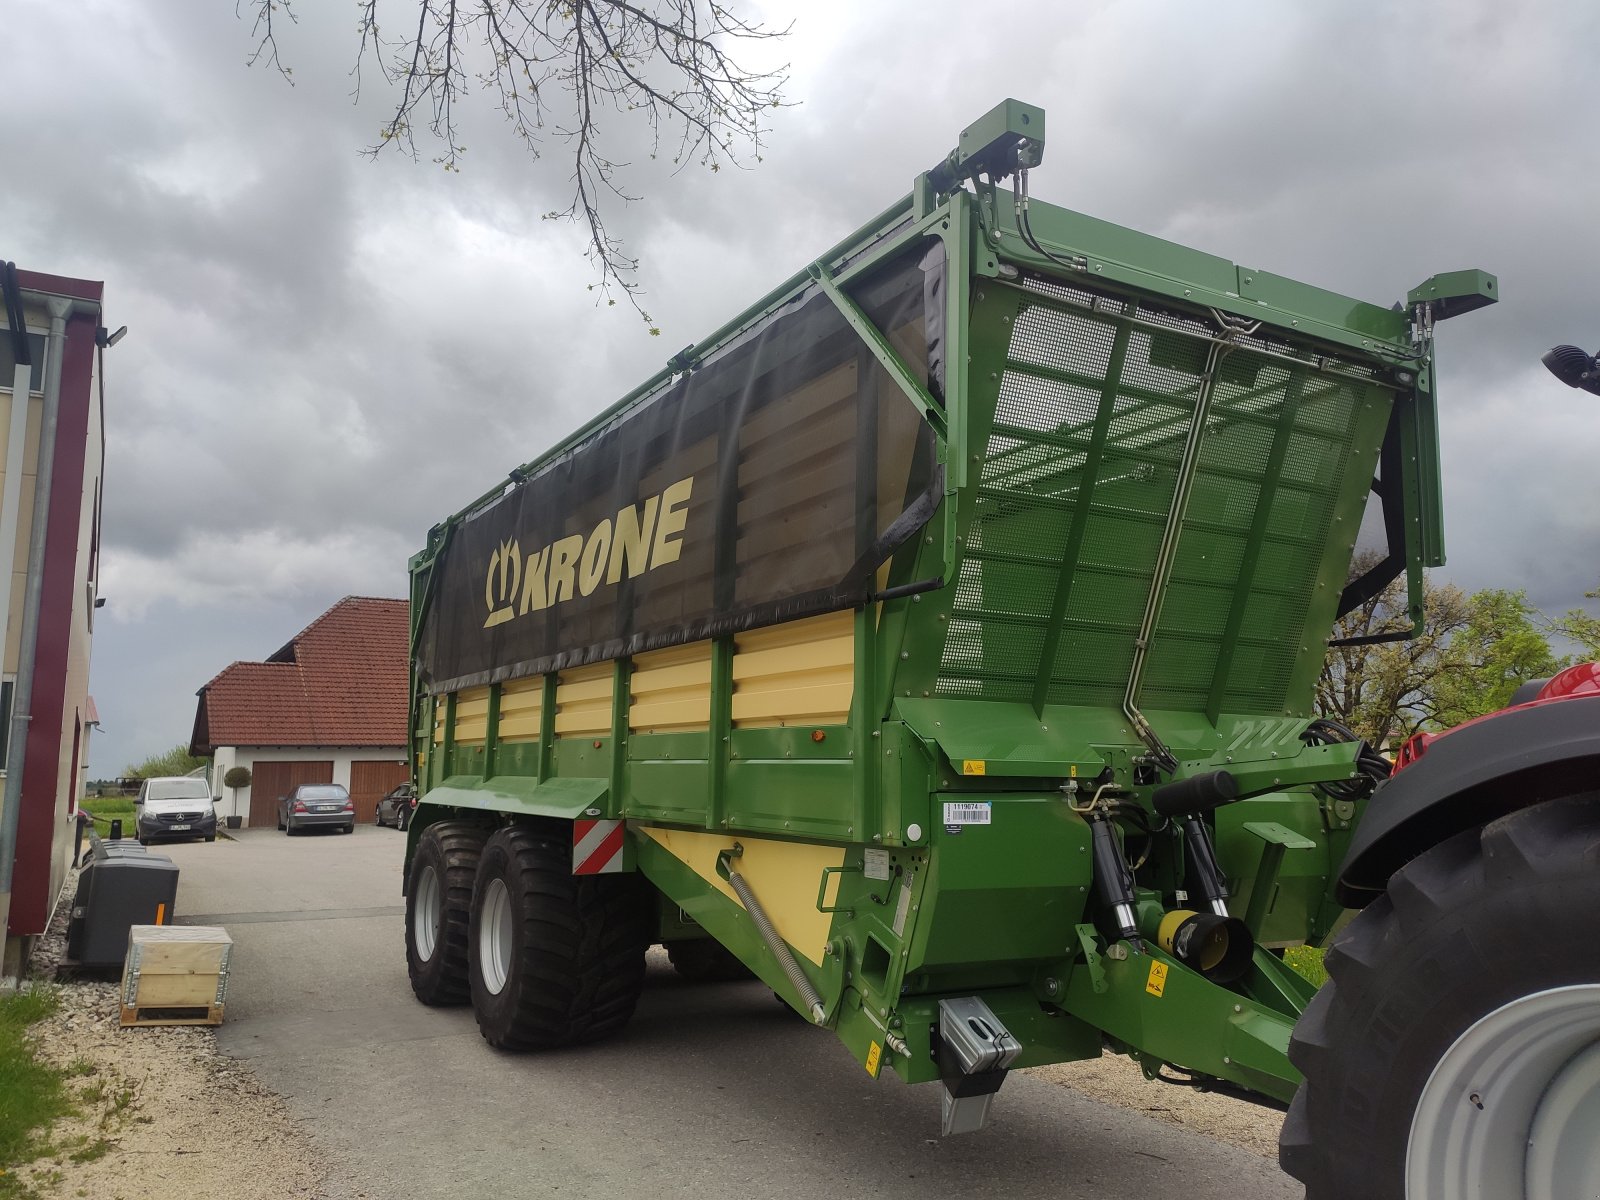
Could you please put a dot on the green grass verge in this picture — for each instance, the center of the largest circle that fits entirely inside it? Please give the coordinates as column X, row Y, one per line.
column 106, row 809
column 32, row 1094
column 1307, row 960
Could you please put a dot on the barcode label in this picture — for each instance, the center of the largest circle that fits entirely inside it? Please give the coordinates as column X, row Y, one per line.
column 967, row 812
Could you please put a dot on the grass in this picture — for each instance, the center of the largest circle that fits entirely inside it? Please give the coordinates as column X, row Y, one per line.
column 1307, row 961
column 31, row 1092
column 107, row 808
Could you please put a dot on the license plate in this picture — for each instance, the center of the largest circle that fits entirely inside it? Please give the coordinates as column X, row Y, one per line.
column 178, row 827
column 327, row 808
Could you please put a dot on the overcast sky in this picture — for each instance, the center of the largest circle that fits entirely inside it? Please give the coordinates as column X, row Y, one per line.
column 327, row 354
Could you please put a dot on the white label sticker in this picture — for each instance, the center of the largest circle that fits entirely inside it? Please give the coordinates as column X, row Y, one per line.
column 967, row 812
column 876, row 864
column 903, row 905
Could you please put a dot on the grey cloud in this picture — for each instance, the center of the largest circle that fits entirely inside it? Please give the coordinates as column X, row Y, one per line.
column 329, row 354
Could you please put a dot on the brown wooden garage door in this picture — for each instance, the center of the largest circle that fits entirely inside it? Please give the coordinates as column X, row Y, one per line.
column 371, row 781
column 269, row 780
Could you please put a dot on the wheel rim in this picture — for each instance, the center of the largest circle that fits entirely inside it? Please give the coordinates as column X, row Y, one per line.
column 427, row 914
column 494, row 936
column 1512, row 1109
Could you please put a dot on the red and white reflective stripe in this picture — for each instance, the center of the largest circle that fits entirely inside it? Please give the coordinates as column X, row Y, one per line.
column 596, row 847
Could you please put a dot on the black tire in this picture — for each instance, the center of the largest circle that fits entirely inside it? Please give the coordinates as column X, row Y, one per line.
column 1482, row 919
column 706, row 960
column 402, row 820
column 576, row 943
column 451, row 850
column 211, row 837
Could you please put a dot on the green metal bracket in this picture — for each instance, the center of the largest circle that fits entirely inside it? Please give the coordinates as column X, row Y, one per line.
column 822, row 891
column 1278, row 839
column 1455, row 292
column 1009, row 137
column 1089, row 944
column 882, row 350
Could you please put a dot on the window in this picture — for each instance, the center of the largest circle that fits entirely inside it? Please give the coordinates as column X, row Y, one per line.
column 5, row 719
column 177, row 789
column 8, row 361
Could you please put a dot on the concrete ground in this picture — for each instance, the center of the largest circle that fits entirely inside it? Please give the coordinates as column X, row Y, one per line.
column 713, row 1089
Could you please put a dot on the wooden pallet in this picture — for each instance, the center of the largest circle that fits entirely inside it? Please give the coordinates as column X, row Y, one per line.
column 197, row 1014
column 175, row 975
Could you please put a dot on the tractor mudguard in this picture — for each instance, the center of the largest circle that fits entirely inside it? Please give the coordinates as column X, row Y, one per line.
column 1475, row 774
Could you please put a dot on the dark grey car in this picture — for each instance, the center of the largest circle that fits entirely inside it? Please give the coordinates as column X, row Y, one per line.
column 317, row 806
column 395, row 808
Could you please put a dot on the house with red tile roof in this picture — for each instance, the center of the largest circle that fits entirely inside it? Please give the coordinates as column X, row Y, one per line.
column 329, row 707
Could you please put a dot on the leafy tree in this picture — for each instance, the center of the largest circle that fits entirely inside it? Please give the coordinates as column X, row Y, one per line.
column 177, row 761
column 1376, row 689
column 1580, row 627
column 1470, row 655
column 1499, row 647
column 560, row 69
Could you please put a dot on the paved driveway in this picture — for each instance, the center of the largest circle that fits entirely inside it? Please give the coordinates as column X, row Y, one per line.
column 713, row 1090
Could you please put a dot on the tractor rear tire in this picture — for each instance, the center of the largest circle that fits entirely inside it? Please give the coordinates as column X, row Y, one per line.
column 706, row 960
column 1481, row 947
column 556, row 958
column 438, row 904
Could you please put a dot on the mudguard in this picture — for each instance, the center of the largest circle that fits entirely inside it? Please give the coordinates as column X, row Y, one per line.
column 1467, row 778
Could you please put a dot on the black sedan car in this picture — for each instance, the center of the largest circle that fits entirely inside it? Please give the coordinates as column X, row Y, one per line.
column 395, row 808
column 317, row 806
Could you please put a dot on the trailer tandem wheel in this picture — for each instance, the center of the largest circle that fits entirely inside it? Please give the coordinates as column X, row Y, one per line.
column 438, row 904
column 706, row 960
column 555, row 958
column 1453, row 1051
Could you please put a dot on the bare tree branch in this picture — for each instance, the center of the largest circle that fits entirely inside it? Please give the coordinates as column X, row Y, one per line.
column 266, row 40
column 558, row 68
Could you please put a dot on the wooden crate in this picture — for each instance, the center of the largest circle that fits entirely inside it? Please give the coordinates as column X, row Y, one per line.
column 175, row 975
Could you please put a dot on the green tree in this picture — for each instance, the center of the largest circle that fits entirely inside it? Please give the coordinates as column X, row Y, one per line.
column 1499, row 647
column 1379, row 690
column 1581, row 627
column 1470, row 655
column 177, row 761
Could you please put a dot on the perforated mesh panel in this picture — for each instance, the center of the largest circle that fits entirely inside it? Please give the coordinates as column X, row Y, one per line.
column 1273, row 459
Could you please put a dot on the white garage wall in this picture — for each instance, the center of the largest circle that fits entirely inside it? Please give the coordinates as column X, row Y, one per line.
column 227, row 757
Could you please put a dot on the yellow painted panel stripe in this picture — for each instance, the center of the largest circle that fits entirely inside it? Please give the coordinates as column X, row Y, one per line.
column 799, row 673
column 472, row 716
column 522, row 709
column 828, row 704
column 783, row 875
column 810, row 629
column 671, row 690
column 583, row 699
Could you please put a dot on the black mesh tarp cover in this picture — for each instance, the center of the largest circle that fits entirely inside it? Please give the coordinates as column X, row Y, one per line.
column 768, row 484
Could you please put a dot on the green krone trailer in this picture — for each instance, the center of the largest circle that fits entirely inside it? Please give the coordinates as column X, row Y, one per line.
column 936, row 642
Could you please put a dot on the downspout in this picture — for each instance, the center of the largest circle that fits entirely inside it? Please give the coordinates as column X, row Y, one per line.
column 22, row 693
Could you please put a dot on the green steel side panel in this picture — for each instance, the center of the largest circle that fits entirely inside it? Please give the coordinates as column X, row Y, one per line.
column 566, row 799
column 1007, row 891
column 993, row 738
column 1303, row 875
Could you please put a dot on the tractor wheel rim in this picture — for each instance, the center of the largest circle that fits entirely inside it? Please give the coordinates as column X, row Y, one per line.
column 1512, row 1109
column 494, row 936
column 427, row 915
